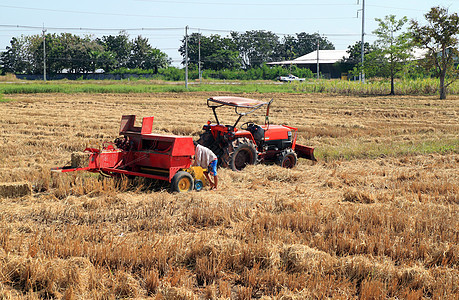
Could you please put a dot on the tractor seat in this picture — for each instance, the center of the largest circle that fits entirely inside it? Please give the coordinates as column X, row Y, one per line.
column 258, row 133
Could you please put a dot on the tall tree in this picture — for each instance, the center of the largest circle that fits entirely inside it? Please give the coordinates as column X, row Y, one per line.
column 439, row 37
column 144, row 56
column 215, row 51
column 158, row 60
column 352, row 62
column 120, row 46
column 139, row 54
column 307, row 43
column 392, row 47
column 223, row 59
column 301, row 44
column 256, row 47
column 13, row 59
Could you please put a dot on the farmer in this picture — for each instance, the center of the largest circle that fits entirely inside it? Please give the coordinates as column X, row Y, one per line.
column 205, row 158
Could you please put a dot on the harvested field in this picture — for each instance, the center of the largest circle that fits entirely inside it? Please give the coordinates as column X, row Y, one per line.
column 377, row 217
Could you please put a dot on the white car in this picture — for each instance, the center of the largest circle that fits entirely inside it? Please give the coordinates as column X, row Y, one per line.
column 291, row 78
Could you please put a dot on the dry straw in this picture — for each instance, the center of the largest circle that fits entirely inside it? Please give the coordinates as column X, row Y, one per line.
column 376, row 217
column 14, row 190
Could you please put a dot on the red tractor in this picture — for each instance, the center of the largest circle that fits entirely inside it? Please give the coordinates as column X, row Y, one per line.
column 251, row 143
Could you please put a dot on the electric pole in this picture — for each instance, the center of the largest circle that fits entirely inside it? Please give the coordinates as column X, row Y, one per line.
column 318, row 64
column 44, row 54
column 362, row 46
column 186, row 57
column 199, row 57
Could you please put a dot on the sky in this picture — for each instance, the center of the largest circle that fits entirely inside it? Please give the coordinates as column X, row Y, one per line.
column 163, row 22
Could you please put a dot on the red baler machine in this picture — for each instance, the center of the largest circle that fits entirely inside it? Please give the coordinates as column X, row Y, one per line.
column 138, row 152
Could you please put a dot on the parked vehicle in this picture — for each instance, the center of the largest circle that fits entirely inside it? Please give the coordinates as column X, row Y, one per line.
column 291, row 78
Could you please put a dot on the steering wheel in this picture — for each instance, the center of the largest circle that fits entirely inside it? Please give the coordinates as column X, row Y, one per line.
column 247, row 125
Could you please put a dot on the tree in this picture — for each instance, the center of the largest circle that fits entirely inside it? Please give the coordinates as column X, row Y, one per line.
column 106, row 60
column 392, row 51
column 157, row 59
column 120, row 46
column 256, row 47
column 139, row 56
column 145, row 57
column 439, row 37
column 215, row 50
column 13, row 58
column 301, row 44
column 223, row 59
column 352, row 63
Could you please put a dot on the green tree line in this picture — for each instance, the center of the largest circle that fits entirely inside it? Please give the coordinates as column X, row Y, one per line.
column 248, row 50
column 76, row 54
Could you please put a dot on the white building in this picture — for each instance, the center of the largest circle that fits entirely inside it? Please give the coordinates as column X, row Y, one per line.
column 324, row 58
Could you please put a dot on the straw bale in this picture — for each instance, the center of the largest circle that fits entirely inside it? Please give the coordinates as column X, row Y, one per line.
column 358, row 196
column 179, row 293
column 415, row 277
column 15, row 189
column 301, row 258
column 126, row 286
column 80, row 159
column 360, row 267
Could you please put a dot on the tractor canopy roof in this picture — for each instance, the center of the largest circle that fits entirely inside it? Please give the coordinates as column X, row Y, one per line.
column 238, row 102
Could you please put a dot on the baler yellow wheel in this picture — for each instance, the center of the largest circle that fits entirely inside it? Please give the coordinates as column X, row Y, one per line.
column 182, row 182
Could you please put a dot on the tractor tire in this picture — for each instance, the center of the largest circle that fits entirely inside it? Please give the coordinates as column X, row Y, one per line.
column 240, row 153
column 206, row 139
column 182, row 182
column 287, row 159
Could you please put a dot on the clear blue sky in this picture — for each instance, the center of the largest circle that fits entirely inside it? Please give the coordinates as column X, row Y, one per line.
column 335, row 19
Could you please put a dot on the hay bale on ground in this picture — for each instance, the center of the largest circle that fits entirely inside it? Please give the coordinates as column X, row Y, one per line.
column 80, row 159
column 15, row 189
column 301, row 258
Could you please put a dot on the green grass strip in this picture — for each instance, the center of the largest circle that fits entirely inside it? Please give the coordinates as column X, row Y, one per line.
column 375, row 150
column 3, row 99
column 405, row 87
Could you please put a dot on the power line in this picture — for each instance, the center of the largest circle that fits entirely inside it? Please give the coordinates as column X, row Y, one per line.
column 249, row 4
column 398, row 8
column 283, row 34
column 174, row 17
column 161, row 29
column 79, row 12
column 93, row 29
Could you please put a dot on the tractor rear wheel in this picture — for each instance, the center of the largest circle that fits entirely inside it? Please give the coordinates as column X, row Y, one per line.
column 241, row 152
column 206, row 139
column 182, row 182
column 287, row 159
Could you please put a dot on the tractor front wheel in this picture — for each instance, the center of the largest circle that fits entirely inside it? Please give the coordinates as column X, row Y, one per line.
column 241, row 152
column 182, row 182
column 287, row 159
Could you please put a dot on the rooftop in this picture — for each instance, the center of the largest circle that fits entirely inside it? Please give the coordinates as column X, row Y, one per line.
column 324, row 57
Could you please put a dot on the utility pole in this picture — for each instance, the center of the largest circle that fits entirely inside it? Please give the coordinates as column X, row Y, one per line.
column 186, row 56
column 318, row 64
column 199, row 58
column 362, row 46
column 44, row 53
